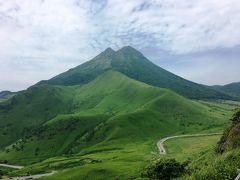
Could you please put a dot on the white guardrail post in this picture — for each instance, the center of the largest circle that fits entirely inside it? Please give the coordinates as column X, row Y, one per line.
column 238, row 177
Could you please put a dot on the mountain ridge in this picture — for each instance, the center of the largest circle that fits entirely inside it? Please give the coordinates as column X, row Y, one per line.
column 233, row 89
column 6, row 94
column 111, row 108
column 134, row 64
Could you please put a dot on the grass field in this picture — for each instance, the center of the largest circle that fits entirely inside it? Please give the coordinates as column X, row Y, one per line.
column 189, row 148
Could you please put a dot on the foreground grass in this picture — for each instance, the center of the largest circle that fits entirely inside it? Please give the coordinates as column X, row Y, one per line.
column 104, row 161
column 128, row 162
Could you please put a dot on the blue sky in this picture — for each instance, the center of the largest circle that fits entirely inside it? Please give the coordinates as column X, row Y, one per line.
column 198, row 40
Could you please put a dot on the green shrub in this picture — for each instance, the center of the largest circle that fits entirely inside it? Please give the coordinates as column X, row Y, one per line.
column 165, row 169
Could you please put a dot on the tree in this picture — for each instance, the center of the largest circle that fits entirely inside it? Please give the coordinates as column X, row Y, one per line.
column 165, row 169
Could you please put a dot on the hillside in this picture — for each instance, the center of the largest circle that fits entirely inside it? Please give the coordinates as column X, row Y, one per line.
column 103, row 115
column 231, row 138
column 133, row 64
column 232, row 89
column 223, row 161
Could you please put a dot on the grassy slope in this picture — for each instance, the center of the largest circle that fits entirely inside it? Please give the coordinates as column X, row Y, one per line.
column 211, row 164
column 114, row 121
column 190, row 148
column 193, row 147
column 30, row 109
column 135, row 155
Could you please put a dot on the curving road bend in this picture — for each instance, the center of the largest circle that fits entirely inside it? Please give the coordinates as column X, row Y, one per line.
column 160, row 143
column 25, row 177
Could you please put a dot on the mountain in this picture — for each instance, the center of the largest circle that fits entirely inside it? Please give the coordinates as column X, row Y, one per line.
column 84, row 73
column 133, row 64
column 6, row 94
column 102, row 119
column 105, row 114
column 39, row 104
column 232, row 89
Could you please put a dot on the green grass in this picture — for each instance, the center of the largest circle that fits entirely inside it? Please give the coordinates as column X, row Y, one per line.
column 190, row 148
column 115, row 121
column 5, row 171
column 215, row 166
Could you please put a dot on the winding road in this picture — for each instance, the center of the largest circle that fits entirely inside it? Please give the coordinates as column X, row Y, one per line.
column 25, row 177
column 160, row 143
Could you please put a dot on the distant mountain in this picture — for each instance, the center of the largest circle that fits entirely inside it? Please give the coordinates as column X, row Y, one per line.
column 132, row 63
column 6, row 94
column 232, row 89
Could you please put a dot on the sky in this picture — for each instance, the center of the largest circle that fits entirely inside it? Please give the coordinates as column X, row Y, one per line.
column 198, row 40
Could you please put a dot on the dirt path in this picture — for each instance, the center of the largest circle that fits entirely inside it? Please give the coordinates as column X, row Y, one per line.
column 160, row 143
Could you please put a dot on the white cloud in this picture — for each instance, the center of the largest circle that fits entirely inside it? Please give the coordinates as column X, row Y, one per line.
column 73, row 31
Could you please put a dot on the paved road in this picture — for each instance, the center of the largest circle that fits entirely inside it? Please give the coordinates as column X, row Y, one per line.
column 31, row 176
column 161, row 141
column 11, row 166
column 25, row 177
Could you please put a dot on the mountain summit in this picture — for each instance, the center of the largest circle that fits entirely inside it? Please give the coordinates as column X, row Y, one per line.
column 135, row 65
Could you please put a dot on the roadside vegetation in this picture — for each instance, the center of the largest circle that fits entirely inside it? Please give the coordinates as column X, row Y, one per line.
column 210, row 157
